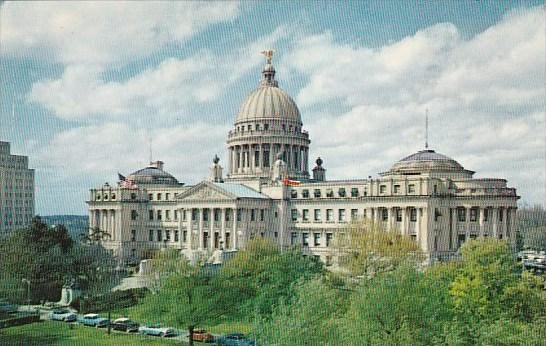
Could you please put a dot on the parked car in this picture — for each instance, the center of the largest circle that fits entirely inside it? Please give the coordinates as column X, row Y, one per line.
column 63, row 315
column 202, row 335
column 126, row 325
column 7, row 308
column 156, row 330
column 235, row 339
column 93, row 320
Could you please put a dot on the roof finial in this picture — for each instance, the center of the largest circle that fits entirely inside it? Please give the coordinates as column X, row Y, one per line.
column 268, row 55
column 426, row 129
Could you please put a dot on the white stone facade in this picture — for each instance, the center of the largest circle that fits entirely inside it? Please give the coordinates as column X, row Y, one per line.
column 427, row 195
column 16, row 191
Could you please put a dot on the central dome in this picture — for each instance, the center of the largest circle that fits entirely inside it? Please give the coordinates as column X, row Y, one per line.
column 268, row 102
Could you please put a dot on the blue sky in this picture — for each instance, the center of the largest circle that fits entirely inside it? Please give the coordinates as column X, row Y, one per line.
column 84, row 86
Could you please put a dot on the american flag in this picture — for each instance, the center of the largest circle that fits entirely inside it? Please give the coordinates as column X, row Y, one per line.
column 126, row 183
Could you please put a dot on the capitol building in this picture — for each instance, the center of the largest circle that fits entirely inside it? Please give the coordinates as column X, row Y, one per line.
column 267, row 190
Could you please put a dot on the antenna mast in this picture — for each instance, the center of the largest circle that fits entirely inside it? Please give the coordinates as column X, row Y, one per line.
column 426, row 129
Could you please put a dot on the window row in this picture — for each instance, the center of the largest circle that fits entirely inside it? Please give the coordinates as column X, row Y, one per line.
column 343, row 192
column 341, row 215
column 161, row 235
column 317, row 239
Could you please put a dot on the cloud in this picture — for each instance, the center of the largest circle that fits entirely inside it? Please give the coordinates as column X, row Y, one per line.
column 485, row 95
column 102, row 150
column 101, row 33
column 169, row 90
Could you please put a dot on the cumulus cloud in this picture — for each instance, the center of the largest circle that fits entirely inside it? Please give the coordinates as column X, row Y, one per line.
column 168, row 90
column 103, row 32
column 485, row 95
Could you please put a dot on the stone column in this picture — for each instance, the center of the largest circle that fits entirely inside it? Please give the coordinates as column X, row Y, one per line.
column 223, row 228
column 113, row 224
column 418, row 225
column 504, row 222
column 495, row 219
column 482, row 221
column 390, row 217
column 467, row 223
column 211, row 229
column 404, row 227
column 261, row 159
column 189, row 230
column 201, row 231
column 230, row 170
column 234, row 235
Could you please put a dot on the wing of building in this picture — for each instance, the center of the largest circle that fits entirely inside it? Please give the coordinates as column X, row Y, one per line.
column 269, row 192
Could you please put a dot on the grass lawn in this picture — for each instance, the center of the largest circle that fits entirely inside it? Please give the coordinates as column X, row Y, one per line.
column 59, row 333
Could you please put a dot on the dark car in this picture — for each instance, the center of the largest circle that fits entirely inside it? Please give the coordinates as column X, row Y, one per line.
column 235, row 339
column 125, row 325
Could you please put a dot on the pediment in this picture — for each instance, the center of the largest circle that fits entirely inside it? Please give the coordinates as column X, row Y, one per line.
column 204, row 192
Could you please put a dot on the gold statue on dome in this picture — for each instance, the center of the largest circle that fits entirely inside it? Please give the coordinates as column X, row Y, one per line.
column 268, row 55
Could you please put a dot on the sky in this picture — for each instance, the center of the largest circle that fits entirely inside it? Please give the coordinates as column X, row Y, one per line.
column 85, row 87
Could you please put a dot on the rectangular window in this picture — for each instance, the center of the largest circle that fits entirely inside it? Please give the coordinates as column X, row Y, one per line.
column 167, row 214
column 317, row 215
column 305, row 239
column 150, row 197
column 354, row 192
column 239, row 214
column 151, row 214
column 384, row 214
column 398, row 215
column 329, row 215
column 134, row 215
column 252, row 214
column 473, row 214
column 460, row 240
column 159, row 235
column 316, row 193
column 159, row 197
column 341, row 215
column 176, row 235
column 216, row 215
column 176, row 214
column 256, row 158
column 341, row 192
column 205, row 215
column 329, row 193
column 262, row 214
column 354, row 214
column 185, row 236
column 413, row 214
column 485, row 214
column 167, row 235
column 228, row 213
column 461, row 214
column 382, row 188
column 167, row 196
column 500, row 212
column 396, row 188
column 133, row 235
column 305, row 193
column 411, row 188
column 151, row 235
column 194, row 214
column 329, row 238
column 266, row 158
column 159, row 214
column 305, row 215
column 316, row 239
column 294, row 193
column 293, row 238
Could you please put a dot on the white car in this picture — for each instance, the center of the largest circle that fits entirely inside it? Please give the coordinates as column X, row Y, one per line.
column 156, row 330
column 62, row 315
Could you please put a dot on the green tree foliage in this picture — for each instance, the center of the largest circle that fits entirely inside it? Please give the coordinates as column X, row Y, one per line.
column 49, row 258
column 531, row 227
column 261, row 275
column 366, row 248
column 309, row 318
column 401, row 307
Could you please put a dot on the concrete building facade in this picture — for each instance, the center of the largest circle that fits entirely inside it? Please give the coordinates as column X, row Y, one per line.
column 16, row 191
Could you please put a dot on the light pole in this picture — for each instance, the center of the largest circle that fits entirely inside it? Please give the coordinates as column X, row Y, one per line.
column 28, row 290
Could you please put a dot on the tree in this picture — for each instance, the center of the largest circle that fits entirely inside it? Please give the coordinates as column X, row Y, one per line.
column 48, row 258
column 165, row 264
column 366, row 248
column 95, row 236
column 308, row 318
column 399, row 307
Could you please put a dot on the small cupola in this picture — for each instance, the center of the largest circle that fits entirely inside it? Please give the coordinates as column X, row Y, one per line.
column 319, row 172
